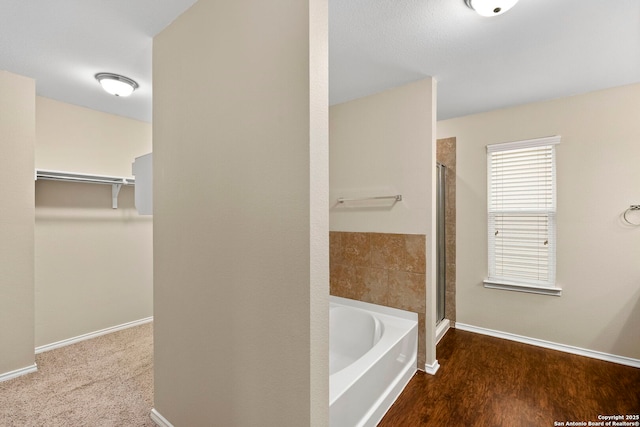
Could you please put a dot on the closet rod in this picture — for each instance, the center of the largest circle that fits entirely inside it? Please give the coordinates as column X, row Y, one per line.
column 82, row 177
column 116, row 182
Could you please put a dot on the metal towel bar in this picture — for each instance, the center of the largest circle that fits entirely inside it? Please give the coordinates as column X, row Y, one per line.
column 397, row 197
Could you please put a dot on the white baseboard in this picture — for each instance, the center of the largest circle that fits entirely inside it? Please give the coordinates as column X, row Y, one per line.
column 18, row 373
column 90, row 335
column 159, row 419
column 442, row 329
column 432, row 368
column 622, row 360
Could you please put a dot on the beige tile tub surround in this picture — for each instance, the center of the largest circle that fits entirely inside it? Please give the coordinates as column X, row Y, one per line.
column 381, row 268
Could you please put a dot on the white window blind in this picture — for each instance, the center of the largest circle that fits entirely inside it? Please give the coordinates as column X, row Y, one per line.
column 522, row 215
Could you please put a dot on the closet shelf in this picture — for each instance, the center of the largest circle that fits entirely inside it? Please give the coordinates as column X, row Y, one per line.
column 116, row 182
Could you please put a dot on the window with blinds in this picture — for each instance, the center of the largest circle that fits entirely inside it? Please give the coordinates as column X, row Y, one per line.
column 522, row 215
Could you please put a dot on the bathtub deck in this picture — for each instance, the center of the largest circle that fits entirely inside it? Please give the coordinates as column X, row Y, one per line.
column 486, row 381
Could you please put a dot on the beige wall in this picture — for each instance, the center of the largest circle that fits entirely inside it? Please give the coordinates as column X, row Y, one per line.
column 384, row 144
column 77, row 139
column 241, row 244
column 94, row 264
column 318, row 214
column 380, row 145
column 17, row 138
column 598, row 256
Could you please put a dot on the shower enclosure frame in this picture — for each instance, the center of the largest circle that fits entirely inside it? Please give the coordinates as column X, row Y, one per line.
column 441, row 258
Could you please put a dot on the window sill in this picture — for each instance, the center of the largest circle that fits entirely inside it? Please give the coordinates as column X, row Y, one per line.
column 522, row 287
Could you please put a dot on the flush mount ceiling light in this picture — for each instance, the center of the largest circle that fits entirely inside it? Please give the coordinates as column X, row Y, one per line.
column 116, row 84
column 490, row 7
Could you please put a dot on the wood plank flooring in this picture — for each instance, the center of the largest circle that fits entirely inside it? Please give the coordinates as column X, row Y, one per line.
column 486, row 381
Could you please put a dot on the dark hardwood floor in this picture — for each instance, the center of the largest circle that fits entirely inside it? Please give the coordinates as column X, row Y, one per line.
column 486, row 381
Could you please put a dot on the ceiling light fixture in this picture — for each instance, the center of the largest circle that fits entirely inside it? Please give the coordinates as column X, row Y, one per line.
column 490, row 7
column 116, row 84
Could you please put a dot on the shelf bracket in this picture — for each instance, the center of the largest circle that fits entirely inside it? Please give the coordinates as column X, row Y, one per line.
column 115, row 190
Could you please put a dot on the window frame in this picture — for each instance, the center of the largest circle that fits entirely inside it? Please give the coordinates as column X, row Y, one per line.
column 544, row 287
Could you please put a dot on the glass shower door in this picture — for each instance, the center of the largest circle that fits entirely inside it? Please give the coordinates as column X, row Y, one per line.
column 441, row 261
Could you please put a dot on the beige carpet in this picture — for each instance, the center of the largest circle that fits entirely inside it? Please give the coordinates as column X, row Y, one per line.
column 105, row 381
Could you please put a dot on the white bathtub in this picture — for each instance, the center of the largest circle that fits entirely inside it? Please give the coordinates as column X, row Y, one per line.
column 372, row 357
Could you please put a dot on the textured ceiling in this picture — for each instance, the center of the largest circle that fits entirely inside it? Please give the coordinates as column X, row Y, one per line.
column 62, row 44
column 541, row 49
